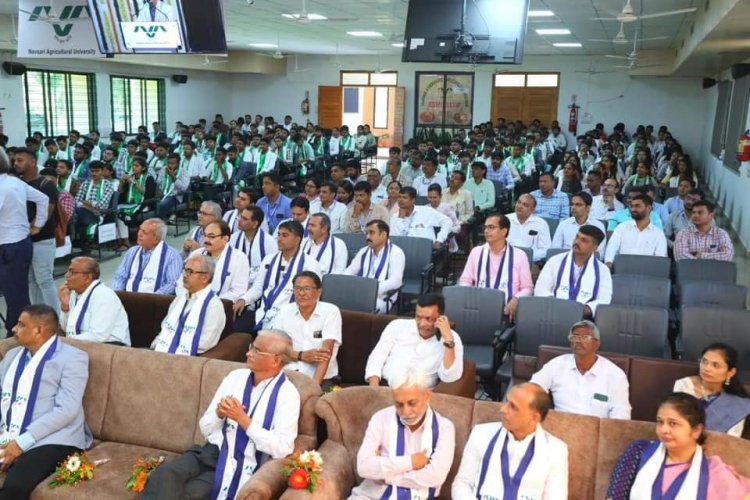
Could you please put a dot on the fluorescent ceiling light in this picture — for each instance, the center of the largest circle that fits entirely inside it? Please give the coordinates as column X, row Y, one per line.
column 567, row 44
column 364, row 33
column 263, row 45
column 400, row 45
column 311, row 17
column 553, row 31
column 541, row 13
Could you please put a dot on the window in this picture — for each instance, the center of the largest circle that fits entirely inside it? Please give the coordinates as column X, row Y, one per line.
column 136, row 101
column 369, row 79
column 527, row 79
column 58, row 102
column 510, row 80
column 736, row 122
column 720, row 119
column 381, row 108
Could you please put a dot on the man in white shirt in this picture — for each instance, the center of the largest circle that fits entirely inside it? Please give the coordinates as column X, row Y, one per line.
column 428, row 177
column 300, row 212
column 408, row 448
column 252, row 239
column 538, row 460
column 584, row 382
column 330, row 252
column 192, row 162
column 90, row 309
column 638, row 236
column 246, row 197
column 156, row 11
column 419, row 221
column 605, row 205
column 580, row 207
column 528, row 230
column 393, row 169
column 327, row 204
column 427, row 342
column 232, row 429
column 315, row 329
column 578, row 275
column 379, row 191
column 381, row 260
column 208, row 212
column 196, row 317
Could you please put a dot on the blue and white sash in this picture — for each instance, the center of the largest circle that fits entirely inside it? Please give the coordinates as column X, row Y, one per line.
column 372, row 271
column 20, row 388
column 692, row 484
column 77, row 314
column 322, row 251
column 231, row 218
column 182, row 330
column 725, row 411
column 197, row 235
column 504, row 278
column 147, row 278
column 239, row 241
column 224, row 263
column 275, row 297
column 238, row 457
column 585, row 288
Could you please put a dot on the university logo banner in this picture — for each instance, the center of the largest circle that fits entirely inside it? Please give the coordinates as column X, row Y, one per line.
column 63, row 31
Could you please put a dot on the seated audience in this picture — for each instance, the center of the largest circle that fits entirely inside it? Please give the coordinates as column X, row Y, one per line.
column 208, row 212
column 139, row 272
column 90, row 309
column 625, row 215
column 550, row 203
column 578, row 275
column 133, row 191
column 518, row 444
column 703, row 240
column 427, row 342
column 196, row 317
column 675, row 203
column 435, row 201
column 492, row 266
column 315, row 330
column 363, row 210
column 43, row 381
column 327, row 204
column 722, row 393
column 584, row 382
column 529, row 230
column 419, row 221
column 252, row 240
column 378, row 189
column 300, row 210
column 429, row 176
column 381, row 260
column 252, row 417
column 93, row 196
column 565, row 234
column 275, row 205
column 675, row 465
column 408, row 448
column 173, row 182
column 605, row 205
column 638, row 236
column 330, row 252
column 393, row 169
column 682, row 218
column 482, row 190
column 391, row 203
column 245, row 198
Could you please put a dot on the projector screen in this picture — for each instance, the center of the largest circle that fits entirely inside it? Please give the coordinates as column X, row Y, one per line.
column 159, row 26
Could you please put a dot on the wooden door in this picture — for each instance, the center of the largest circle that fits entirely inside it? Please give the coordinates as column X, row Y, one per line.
column 330, row 106
column 507, row 102
column 525, row 104
column 399, row 112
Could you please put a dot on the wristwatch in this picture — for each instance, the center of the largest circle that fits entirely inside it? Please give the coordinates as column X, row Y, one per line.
column 450, row 345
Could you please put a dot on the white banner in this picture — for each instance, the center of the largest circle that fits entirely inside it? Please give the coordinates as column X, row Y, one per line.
column 151, row 35
column 65, row 31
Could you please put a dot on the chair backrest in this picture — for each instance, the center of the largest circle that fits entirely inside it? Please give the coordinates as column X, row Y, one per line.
column 634, row 330
column 477, row 312
column 640, row 290
column 418, row 252
column 352, row 293
column 659, row 267
column 353, row 241
column 701, row 326
column 544, row 320
column 551, row 252
column 711, row 293
column 421, row 201
column 705, row 270
column 552, row 223
column 529, row 254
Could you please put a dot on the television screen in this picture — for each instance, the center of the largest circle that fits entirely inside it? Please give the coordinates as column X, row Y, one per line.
column 159, row 26
column 465, row 31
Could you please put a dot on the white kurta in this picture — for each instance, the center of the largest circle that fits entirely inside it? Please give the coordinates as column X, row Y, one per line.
column 104, row 319
column 235, row 282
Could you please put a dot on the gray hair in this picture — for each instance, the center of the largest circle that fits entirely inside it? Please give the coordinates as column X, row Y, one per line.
column 325, row 221
column 411, row 377
column 159, row 226
column 588, row 325
column 213, row 207
column 282, row 343
column 92, row 266
column 207, row 264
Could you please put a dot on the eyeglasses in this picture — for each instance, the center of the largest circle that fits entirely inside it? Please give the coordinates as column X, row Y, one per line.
column 201, row 212
column 257, row 351
column 70, row 272
column 189, row 272
column 304, row 289
column 211, row 236
column 584, row 339
column 490, row 227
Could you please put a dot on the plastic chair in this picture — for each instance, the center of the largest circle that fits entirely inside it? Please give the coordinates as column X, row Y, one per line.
column 659, row 267
column 354, row 243
column 633, row 330
column 713, row 294
column 353, row 293
column 640, row 290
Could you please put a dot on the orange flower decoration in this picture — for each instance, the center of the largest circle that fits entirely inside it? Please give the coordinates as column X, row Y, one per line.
column 299, row 480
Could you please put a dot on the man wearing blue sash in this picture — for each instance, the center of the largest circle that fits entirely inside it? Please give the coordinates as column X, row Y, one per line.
column 41, row 409
column 246, row 197
column 578, row 275
column 152, row 266
column 208, row 212
column 196, row 316
column 252, row 239
column 252, row 417
column 299, row 209
column 330, row 252
column 515, row 458
column 408, row 448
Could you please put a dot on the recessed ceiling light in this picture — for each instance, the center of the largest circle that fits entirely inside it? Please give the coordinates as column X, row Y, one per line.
column 263, row 45
column 400, row 45
column 567, row 44
column 541, row 13
column 364, row 33
column 553, row 31
column 311, row 17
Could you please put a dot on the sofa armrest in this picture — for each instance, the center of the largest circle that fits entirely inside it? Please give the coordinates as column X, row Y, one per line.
column 465, row 387
column 268, row 482
column 337, row 478
column 233, row 348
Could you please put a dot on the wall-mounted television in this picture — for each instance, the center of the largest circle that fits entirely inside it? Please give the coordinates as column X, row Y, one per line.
column 159, row 26
column 465, row 31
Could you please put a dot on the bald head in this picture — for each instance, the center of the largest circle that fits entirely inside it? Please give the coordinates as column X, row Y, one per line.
column 90, row 265
column 540, row 401
column 274, row 341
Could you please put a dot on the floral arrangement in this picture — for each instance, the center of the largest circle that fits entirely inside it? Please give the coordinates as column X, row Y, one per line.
column 333, row 388
column 302, row 470
column 141, row 471
column 73, row 470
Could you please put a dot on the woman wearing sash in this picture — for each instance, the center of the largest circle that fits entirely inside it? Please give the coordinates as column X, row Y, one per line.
column 675, row 467
column 723, row 395
column 133, row 191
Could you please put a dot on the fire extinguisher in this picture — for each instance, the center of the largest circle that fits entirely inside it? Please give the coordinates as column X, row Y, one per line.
column 743, row 149
column 306, row 103
column 573, row 118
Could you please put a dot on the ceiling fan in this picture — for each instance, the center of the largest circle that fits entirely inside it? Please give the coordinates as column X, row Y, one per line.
column 621, row 39
column 297, row 69
column 212, row 62
column 304, row 17
column 633, row 56
column 634, row 65
column 13, row 38
column 628, row 15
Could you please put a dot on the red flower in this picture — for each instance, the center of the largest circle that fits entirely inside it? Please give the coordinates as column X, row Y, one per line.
column 299, row 480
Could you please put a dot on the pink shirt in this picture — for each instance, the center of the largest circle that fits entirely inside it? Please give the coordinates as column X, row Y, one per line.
column 379, row 469
column 722, row 481
column 522, row 284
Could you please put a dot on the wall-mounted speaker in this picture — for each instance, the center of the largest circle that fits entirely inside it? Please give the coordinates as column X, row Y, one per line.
column 179, row 78
column 740, row 70
column 14, row 68
column 708, row 83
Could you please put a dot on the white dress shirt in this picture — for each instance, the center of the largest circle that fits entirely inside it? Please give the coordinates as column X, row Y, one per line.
column 13, row 196
column 392, row 276
column 547, row 281
column 235, row 283
column 252, row 249
column 600, row 210
column 379, row 194
column 421, row 224
column 213, row 324
column 324, row 324
column 422, row 183
column 567, row 229
column 534, row 234
column 335, row 212
column 627, row 239
column 105, row 319
column 231, row 217
column 194, row 166
column 400, row 346
column 545, row 479
column 333, row 259
column 602, row 392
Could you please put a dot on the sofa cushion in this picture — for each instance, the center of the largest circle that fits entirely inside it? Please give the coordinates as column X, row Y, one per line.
column 651, row 379
column 355, row 346
column 154, row 399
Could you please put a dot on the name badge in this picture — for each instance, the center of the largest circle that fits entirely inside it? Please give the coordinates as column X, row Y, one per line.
column 318, row 334
column 601, row 397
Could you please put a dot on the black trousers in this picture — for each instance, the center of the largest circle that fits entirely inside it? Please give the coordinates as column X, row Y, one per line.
column 188, row 477
column 245, row 322
column 15, row 260
column 32, row 468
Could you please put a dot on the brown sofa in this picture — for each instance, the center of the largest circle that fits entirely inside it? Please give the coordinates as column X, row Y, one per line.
column 594, row 445
column 143, row 403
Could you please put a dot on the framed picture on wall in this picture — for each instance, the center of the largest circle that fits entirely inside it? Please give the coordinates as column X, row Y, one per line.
column 444, row 102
